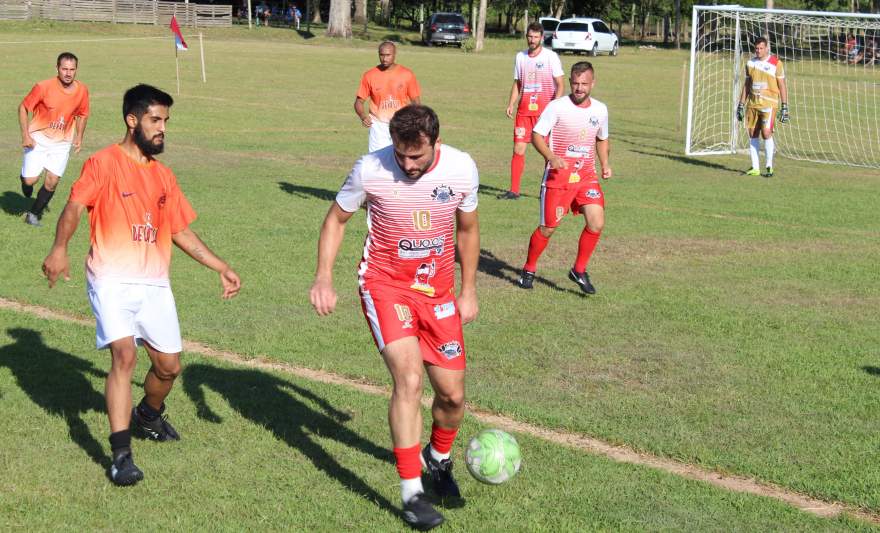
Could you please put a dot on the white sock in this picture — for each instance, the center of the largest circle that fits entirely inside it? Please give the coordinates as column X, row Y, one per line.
column 410, row 487
column 769, row 148
column 437, row 455
column 754, row 146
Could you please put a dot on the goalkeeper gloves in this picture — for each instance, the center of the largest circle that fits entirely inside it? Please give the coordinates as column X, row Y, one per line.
column 740, row 112
column 783, row 114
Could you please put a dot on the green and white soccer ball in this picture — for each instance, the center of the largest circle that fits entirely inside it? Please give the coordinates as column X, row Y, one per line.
column 493, row 456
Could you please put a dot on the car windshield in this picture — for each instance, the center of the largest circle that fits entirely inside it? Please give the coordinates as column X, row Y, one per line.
column 573, row 26
column 449, row 19
column 549, row 25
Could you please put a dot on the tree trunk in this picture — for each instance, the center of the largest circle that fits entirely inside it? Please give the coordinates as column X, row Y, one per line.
column 556, row 8
column 360, row 12
column 481, row 27
column 339, row 23
column 385, row 6
column 317, row 8
column 677, row 8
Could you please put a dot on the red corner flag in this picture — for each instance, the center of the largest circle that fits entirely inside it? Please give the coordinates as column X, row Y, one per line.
column 178, row 37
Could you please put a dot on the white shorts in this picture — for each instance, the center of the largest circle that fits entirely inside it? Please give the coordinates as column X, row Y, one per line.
column 48, row 154
column 380, row 135
column 145, row 312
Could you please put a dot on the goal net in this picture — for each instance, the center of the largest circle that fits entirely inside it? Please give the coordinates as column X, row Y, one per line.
column 832, row 72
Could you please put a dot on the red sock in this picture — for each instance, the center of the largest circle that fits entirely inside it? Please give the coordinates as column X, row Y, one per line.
column 442, row 438
column 536, row 247
column 517, row 164
column 586, row 245
column 408, row 463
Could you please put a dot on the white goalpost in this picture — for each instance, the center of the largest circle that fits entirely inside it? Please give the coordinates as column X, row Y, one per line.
column 832, row 71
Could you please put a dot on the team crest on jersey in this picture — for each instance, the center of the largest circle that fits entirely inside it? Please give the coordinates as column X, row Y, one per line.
column 594, row 122
column 162, row 200
column 450, row 350
column 539, row 65
column 422, row 280
column 594, row 194
column 443, row 194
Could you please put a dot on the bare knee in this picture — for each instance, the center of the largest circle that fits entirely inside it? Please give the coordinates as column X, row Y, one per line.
column 166, row 367
column 546, row 231
column 519, row 148
column 450, row 400
column 51, row 181
column 408, row 386
column 596, row 225
column 124, row 359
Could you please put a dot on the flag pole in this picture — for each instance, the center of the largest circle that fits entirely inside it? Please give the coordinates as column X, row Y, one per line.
column 202, row 52
column 177, row 68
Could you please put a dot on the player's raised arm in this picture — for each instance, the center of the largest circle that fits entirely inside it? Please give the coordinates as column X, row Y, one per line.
column 57, row 262
column 322, row 294
column 188, row 241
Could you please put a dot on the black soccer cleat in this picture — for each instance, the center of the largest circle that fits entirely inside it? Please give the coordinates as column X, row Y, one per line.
column 124, row 472
column 159, row 429
column 32, row 220
column 441, row 475
column 508, row 195
column 420, row 514
column 526, row 279
column 583, row 281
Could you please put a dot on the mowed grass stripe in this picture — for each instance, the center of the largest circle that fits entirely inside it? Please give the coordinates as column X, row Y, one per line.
column 618, row 453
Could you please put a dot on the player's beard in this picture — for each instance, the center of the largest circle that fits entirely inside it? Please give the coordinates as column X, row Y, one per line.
column 147, row 146
column 578, row 100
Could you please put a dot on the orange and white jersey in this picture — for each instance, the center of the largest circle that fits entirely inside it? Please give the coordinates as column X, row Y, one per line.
column 762, row 76
column 388, row 90
column 134, row 209
column 55, row 107
column 410, row 240
column 573, row 131
column 537, row 80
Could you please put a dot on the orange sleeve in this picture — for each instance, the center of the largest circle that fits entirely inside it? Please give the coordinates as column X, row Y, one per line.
column 180, row 212
column 87, row 187
column 83, row 109
column 413, row 90
column 364, row 89
column 33, row 98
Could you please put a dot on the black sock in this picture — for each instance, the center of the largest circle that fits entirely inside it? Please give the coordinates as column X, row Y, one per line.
column 43, row 197
column 27, row 190
column 120, row 442
column 147, row 412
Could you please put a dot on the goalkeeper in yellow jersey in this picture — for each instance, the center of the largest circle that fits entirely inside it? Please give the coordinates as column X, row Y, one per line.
column 763, row 95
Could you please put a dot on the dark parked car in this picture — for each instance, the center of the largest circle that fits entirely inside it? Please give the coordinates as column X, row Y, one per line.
column 446, row 28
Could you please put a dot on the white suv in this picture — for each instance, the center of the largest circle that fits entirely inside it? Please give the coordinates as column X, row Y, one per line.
column 585, row 35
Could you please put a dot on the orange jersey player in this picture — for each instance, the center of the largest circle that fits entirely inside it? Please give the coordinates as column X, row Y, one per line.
column 385, row 88
column 136, row 211
column 53, row 119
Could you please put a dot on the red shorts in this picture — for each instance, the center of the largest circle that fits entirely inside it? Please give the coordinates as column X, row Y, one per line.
column 393, row 313
column 555, row 203
column 522, row 128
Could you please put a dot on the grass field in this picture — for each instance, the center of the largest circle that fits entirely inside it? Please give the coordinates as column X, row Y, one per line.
column 736, row 326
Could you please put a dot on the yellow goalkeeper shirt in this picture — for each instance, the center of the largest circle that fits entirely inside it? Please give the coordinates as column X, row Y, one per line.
column 763, row 91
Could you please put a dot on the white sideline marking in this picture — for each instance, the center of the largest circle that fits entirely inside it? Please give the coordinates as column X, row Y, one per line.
column 621, row 454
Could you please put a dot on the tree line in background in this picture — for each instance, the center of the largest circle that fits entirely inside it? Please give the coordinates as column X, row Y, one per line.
column 632, row 19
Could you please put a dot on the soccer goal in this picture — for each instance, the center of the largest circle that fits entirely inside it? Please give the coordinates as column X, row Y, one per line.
column 832, row 71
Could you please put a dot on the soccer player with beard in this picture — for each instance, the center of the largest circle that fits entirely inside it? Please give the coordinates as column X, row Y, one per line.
column 384, row 89
column 537, row 79
column 136, row 211
column 60, row 108
column 419, row 194
column 577, row 126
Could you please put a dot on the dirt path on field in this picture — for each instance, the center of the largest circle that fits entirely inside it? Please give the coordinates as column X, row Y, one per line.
column 622, row 454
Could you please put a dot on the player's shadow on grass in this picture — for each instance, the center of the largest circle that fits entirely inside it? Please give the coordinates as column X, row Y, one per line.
column 873, row 370
column 284, row 409
column 14, row 203
column 303, row 191
column 690, row 161
column 495, row 191
column 56, row 381
column 497, row 268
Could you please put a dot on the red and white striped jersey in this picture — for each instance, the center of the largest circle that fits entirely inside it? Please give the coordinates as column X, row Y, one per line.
column 536, row 76
column 573, row 131
column 411, row 221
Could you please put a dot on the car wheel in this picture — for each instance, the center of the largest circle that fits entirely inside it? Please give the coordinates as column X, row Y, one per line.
column 595, row 51
column 614, row 49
